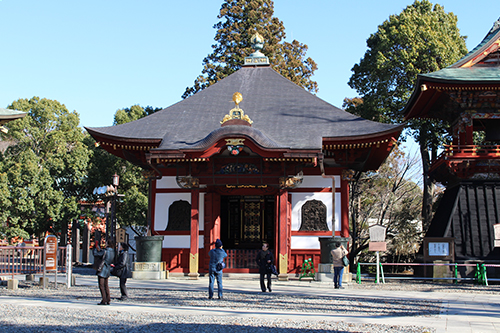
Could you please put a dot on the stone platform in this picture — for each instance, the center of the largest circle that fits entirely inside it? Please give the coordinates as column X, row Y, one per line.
column 149, row 271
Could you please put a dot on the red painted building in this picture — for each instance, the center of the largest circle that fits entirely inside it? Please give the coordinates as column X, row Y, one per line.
column 466, row 95
column 251, row 158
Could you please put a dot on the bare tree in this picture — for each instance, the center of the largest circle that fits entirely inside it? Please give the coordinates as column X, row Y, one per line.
column 390, row 197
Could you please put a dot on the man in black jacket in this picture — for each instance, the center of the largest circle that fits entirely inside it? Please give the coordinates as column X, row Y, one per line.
column 121, row 270
column 265, row 259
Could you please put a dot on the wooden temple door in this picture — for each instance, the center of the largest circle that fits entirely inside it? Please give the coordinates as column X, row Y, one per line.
column 246, row 221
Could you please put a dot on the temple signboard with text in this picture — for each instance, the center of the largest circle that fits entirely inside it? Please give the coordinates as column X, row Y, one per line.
column 50, row 253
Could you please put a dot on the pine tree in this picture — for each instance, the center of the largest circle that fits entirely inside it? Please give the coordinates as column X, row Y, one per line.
column 239, row 20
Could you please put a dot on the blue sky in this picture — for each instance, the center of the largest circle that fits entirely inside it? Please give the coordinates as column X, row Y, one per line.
column 100, row 56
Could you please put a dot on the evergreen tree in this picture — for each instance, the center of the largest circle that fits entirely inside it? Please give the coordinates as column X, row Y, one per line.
column 422, row 39
column 43, row 172
column 132, row 207
column 239, row 20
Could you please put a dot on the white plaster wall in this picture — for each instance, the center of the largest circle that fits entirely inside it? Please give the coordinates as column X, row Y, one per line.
column 167, row 182
column 299, row 199
column 163, row 202
column 305, row 242
column 320, row 182
column 180, row 242
column 337, row 211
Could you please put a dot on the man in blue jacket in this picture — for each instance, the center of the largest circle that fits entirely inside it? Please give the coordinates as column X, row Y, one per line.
column 217, row 255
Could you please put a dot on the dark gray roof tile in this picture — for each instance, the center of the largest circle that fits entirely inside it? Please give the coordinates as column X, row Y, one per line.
column 287, row 114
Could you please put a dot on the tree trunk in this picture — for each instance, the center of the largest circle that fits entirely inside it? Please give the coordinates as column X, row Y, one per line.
column 427, row 182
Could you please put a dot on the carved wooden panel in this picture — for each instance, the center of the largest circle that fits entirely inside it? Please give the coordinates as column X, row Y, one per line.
column 314, row 216
column 251, row 222
column 179, row 216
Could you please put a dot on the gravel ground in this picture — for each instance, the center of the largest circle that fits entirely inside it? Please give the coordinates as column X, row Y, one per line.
column 38, row 319
column 251, row 301
column 21, row 319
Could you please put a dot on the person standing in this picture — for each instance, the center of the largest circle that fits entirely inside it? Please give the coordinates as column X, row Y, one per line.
column 217, row 256
column 107, row 255
column 121, row 269
column 265, row 259
column 338, row 265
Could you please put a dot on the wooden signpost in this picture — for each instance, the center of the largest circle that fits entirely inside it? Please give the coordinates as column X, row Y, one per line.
column 377, row 244
column 50, row 257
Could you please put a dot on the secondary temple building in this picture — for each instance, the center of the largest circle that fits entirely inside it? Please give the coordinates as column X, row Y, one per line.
column 252, row 158
column 466, row 95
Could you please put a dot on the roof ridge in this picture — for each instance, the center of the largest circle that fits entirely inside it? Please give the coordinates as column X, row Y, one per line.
column 485, row 43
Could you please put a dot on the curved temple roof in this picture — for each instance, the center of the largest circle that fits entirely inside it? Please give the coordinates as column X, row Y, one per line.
column 7, row 115
column 284, row 115
column 480, row 67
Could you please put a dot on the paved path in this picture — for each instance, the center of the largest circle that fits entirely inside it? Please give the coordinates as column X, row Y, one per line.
column 462, row 312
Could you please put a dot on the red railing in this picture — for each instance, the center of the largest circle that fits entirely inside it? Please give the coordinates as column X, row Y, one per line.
column 466, row 154
column 470, row 151
column 241, row 258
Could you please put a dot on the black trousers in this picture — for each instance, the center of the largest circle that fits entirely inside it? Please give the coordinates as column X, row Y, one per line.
column 262, row 285
column 123, row 287
column 104, row 289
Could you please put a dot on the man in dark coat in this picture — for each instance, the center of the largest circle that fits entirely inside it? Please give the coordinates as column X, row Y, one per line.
column 265, row 259
column 121, row 269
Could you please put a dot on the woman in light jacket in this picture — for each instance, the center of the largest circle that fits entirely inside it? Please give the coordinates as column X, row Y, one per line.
column 108, row 256
column 338, row 265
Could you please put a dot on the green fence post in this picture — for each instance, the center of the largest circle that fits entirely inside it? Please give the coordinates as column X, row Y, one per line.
column 456, row 273
column 483, row 274
column 476, row 274
column 382, row 273
column 358, row 274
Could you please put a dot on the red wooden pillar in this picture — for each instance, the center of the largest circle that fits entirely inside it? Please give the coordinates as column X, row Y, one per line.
column 344, row 208
column 151, row 205
column 195, row 230
column 469, row 133
column 216, row 233
column 283, row 238
column 464, row 131
column 212, row 223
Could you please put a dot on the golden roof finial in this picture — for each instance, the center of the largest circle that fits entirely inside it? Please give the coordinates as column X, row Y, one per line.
column 237, row 98
column 237, row 113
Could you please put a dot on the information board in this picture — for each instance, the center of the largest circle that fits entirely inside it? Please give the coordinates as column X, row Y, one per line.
column 50, row 253
column 439, row 249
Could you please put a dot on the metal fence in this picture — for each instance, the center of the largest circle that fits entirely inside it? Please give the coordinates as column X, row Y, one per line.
column 480, row 272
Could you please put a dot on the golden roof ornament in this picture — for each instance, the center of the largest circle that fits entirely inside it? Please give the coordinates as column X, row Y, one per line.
column 237, row 98
column 236, row 113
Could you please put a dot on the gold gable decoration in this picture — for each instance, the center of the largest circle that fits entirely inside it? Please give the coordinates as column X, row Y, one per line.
column 236, row 113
